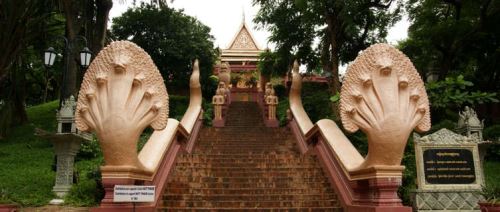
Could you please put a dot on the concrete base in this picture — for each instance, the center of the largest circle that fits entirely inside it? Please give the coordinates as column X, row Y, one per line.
column 272, row 123
column 56, row 201
column 8, row 208
column 452, row 200
column 218, row 123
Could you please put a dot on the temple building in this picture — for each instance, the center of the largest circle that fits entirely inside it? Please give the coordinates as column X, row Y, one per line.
column 242, row 55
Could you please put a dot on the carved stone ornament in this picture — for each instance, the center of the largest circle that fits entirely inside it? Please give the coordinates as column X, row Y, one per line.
column 67, row 108
column 384, row 96
column 243, row 40
column 469, row 118
column 121, row 94
column 225, row 74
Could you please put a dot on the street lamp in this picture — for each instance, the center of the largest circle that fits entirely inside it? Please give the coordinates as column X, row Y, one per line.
column 85, row 56
column 50, row 55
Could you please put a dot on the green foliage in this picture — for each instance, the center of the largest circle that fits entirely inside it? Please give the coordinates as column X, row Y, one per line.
column 177, row 106
column 89, row 149
column 279, row 91
column 316, row 101
column 235, row 78
column 492, row 189
column 208, row 111
column 251, row 82
column 172, row 39
column 455, row 92
column 335, row 98
column 26, row 177
column 88, row 191
column 211, row 87
column 492, row 133
column 283, row 106
column 272, row 64
column 44, row 115
column 330, row 22
column 455, row 37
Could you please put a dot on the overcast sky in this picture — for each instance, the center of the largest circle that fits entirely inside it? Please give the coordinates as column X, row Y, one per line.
column 225, row 16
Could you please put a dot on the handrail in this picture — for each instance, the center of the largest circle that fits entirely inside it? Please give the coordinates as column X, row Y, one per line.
column 123, row 92
column 300, row 115
column 195, row 99
column 369, row 85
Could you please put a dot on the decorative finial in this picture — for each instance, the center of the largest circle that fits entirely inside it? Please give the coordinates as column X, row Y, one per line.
column 243, row 14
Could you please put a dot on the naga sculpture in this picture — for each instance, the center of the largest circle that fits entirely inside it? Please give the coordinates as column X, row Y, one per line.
column 121, row 94
column 384, row 96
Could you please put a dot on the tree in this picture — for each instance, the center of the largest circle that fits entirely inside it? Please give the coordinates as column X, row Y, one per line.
column 24, row 25
column 343, row 28
column 453, row 37
column 171, row 38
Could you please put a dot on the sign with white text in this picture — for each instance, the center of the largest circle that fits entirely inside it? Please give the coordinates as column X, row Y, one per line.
column 131, row 193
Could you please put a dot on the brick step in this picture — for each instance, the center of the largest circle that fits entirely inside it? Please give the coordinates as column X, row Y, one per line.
column 243, row 174
column 271, row 209
column 248, row 169
column 246, row 144
column 231, row 148
column 304, row 160
column 249, row 179
column 268, row 164
column 242, row 156
column 248, row 185
column 256, row 191
column 271, row 164
column 256, row 204
column 241, row 141
column 247, row 151
column 249, row 197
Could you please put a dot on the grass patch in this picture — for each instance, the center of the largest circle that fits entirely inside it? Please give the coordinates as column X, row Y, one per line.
column 492, row 173
column 26, row 160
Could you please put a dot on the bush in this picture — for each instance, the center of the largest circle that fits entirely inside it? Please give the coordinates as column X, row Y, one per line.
column 283, row 106
column 279, row 91
column 88, row 191
column 208, row 110
column 89, row 150
column 177, row 106
column 492, row 133
column 316, row 101
column 211, row 87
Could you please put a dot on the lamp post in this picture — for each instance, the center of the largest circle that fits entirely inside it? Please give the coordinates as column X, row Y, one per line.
column 50, row 55
column 67, row 139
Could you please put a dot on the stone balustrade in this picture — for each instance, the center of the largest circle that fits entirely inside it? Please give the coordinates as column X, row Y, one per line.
column 122, row 93
column 383, row 96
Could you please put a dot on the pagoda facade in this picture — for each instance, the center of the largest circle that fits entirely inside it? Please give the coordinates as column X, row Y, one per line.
column 242, row 55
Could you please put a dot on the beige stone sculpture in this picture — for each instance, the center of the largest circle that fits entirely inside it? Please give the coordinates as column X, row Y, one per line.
column 225, row 73
column 218, row 101
column 121, row 94
column 271, row 102
column 267, row 91
column 384, row 96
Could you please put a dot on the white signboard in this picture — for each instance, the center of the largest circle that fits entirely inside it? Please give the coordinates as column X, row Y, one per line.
column 131, row 193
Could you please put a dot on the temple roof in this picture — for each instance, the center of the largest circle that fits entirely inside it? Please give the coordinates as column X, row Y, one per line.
column 243, row 40
column 242, row 47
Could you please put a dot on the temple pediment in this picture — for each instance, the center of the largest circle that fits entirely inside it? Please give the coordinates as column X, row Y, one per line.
column 243, row 40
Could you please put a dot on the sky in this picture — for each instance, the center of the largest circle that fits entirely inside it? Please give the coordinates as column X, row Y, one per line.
column 224, row 18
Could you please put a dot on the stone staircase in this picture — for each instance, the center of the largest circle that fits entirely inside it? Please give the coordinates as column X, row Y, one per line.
column 246, row 166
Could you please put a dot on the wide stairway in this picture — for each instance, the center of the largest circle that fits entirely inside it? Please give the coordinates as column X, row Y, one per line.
column 246, row 166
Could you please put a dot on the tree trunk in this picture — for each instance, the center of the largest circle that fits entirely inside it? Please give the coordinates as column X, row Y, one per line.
column 70, row 68
column 102, row 16
column 333, row 27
